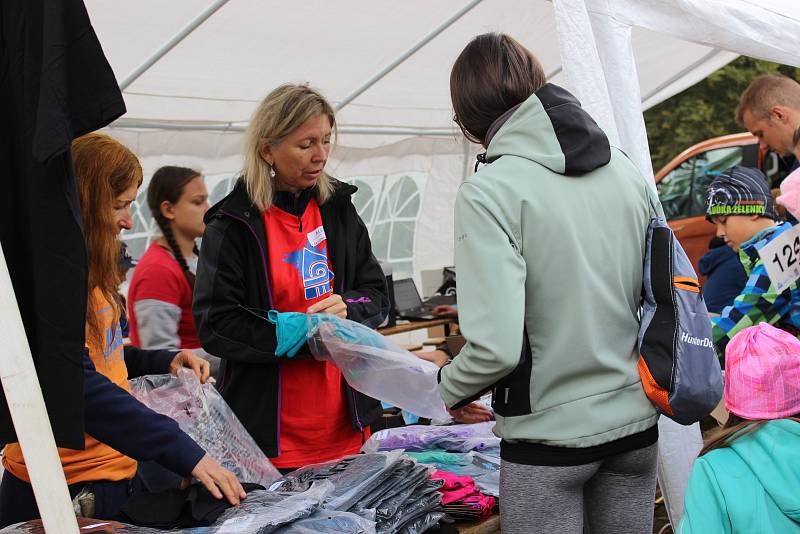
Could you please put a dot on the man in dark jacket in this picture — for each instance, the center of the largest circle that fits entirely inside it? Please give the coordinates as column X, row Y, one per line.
column 725, row 275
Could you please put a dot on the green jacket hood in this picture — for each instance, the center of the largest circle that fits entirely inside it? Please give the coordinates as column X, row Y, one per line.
column 770, row 453
column 551, row 129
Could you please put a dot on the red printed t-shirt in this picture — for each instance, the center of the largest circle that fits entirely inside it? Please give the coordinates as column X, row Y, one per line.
column 158, row 276
column 314, row 422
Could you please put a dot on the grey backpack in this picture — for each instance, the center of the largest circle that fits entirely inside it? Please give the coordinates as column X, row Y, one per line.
column 678, row 364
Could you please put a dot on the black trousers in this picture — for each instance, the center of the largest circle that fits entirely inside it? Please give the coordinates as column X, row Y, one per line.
column 17, row 503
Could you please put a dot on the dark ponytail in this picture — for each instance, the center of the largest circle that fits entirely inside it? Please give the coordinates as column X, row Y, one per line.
column 167, row 184
column 492, row 74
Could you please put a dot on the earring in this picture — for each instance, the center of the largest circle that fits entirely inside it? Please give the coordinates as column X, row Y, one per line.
column 271, row 171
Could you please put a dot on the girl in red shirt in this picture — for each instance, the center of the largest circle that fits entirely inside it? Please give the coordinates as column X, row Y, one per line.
column 160, row 294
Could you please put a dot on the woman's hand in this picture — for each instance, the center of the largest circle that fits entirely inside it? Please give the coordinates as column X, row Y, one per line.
column 437, row 357
column 188, row 359
column 218, row 481
column 333, row 305
column 472, row 413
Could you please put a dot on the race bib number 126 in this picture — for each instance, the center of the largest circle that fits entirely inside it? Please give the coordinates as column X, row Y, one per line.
column 781, row 257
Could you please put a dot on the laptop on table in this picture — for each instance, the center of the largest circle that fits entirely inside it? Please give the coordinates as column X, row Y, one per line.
column 408, row 303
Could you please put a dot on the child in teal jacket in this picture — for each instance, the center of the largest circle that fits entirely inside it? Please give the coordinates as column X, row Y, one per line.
column 747, row 479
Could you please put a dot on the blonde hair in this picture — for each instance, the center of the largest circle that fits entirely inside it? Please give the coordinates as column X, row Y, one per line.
column 281, row 112
column 767, row 91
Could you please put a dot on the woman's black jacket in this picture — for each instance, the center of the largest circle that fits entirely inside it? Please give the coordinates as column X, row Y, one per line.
column 232, row 295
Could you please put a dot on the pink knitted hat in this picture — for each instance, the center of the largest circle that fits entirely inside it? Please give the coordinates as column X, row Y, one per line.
column 762, row 373
column 790, row 194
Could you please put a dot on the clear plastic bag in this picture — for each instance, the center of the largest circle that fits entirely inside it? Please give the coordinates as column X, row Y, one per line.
column 330, row 522
column 376, row 367
column 204, row 415
column 458, row 438
column 353, row 477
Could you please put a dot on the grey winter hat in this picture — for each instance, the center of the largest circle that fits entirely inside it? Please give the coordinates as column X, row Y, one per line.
column 740, row 191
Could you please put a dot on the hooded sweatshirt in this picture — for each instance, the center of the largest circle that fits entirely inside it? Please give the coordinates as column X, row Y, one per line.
column 549, row 249
column 753, row 485
column 725, row 277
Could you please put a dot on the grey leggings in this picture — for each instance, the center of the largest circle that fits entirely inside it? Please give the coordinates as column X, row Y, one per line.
column 614, row 495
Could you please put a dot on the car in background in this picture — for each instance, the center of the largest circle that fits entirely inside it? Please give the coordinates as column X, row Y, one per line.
column 683, row 182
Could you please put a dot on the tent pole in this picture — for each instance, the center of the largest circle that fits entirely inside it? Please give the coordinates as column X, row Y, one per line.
column 29, row 415
column 169, row 45
column 241, row 127
column 407, row 54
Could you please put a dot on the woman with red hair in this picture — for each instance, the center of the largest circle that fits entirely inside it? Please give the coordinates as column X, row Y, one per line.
column 119, row 430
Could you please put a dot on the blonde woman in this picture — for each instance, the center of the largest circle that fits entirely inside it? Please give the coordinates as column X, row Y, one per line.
column 288, row 238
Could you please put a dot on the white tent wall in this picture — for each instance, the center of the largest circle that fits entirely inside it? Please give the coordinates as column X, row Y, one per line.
column 406, row 189
column 598, row 58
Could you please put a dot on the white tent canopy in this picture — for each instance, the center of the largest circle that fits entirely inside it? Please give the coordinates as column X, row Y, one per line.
column 220, row 71
column 190, row 105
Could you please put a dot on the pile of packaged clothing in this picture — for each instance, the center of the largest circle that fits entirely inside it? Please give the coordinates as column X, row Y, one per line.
column 388, row 487
column 482, row 467
column 462, row 499
column 466, row 450
column 376, row 493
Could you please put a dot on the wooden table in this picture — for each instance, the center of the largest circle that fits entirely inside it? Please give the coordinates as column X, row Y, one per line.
column 490, row 526
column 416, row 325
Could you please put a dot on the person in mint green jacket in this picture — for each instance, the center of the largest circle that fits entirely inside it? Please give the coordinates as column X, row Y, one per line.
column 747, row 478
column 549, row 249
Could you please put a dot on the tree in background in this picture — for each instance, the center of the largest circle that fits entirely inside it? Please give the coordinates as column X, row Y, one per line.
column 704, row 110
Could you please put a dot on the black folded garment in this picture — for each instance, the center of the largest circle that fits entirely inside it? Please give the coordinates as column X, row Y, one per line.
column 176, row 508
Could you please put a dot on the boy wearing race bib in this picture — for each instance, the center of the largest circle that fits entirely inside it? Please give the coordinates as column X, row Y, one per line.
column 740, row 204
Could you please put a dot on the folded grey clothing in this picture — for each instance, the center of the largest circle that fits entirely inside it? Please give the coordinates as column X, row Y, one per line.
column 353, row 477
column 263, row 512
column 389, row 507
column 406, row 475
column 330, row 522
column 424, row 500
column 422, row 523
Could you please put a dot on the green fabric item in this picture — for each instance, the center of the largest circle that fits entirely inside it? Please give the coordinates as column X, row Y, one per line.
column 751, row 486
column 291, row 329
column 560, row 257
column 438, row 456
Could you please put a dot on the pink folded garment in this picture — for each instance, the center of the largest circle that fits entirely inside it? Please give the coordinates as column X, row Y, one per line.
column 456, row 487
column 483, row 503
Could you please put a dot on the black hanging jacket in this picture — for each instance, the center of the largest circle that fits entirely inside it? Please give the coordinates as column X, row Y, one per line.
column 232, row 296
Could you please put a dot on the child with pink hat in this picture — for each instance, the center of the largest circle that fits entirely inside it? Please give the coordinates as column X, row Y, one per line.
column 747, row 477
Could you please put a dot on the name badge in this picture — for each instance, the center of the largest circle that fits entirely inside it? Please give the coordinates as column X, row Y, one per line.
column 316, row 237
column 781, row 257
